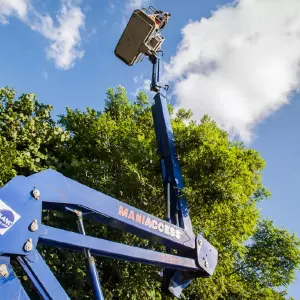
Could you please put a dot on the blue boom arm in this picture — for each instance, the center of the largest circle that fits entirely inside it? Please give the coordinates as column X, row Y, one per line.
column 57, row 191
column 24, row 198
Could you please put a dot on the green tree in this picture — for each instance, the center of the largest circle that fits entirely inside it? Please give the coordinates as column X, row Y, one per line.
column 114, row 151
column 29, row 137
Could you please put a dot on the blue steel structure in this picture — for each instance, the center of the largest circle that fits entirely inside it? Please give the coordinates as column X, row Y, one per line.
column 23, row 198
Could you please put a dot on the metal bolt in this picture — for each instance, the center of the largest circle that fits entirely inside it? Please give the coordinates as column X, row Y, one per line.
column 36, row 194
column 200, row 243
column 28, row 245
column 3, row 270
column 34, row 225
column 206, row 264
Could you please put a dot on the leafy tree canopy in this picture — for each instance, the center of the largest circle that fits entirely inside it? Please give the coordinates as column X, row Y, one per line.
column 114, row 151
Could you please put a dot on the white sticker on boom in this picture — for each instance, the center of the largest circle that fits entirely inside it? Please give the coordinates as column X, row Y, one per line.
column 8, row 217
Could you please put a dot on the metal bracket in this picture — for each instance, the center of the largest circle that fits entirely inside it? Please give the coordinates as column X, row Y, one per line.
column 206, row 255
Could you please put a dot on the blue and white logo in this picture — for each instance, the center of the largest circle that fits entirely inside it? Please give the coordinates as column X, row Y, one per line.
column 8, row 217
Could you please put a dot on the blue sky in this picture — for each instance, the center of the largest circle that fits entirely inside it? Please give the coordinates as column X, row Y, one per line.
column 237, row 65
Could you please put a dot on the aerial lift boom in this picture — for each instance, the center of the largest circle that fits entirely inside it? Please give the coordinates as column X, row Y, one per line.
column 23, row 198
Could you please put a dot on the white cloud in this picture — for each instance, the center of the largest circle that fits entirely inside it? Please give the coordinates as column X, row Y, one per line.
column 65, row 37
column 138, row 79
column 103, row 23
column 112, row 8
column 64, row 32
column 146, row 84
column 45, row 75
column 131, row 5
column 135, row 79
column 239, row 65
column 143, row 84
column 13, row 7
column 92, row 33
